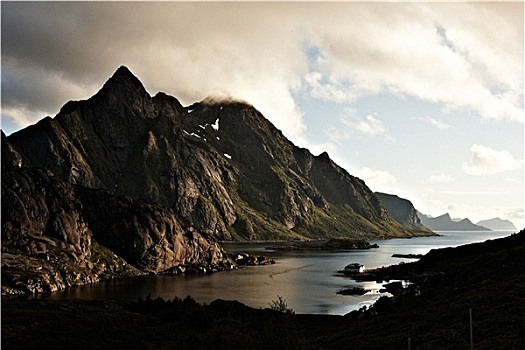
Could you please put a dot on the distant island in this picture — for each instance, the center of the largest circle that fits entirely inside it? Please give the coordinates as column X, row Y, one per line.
column 498, row 224
column 332, row 244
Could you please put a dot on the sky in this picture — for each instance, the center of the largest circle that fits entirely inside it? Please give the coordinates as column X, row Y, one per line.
column 423, row 100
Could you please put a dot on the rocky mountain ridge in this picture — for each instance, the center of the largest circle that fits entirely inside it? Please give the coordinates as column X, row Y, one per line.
column 220, row 165
column 124, row 184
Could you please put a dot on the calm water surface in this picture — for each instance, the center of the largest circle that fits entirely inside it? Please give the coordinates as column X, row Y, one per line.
column 306, row 280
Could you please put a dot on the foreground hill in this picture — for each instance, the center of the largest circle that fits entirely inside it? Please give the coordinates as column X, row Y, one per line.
column 219, row 165
column 433, row 313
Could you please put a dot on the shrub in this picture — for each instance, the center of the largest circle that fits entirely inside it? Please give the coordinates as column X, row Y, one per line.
column 281, row 306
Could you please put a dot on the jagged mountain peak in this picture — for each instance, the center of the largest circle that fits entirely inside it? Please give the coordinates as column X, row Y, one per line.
column 324, row 155
column 122, row 85
column 124, row 76
column 123, row 90
column 444, row 216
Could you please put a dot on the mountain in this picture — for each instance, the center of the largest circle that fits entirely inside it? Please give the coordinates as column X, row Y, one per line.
column 445, row 223
column 497, row 224
column 401, row 210
column 219, row 165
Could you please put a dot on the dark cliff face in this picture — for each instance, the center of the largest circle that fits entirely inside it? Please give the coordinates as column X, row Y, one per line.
column 219, row 165
column 10, row 157
column 146, row 235
column 46, row 243
column 56, row 235
column 402, row 211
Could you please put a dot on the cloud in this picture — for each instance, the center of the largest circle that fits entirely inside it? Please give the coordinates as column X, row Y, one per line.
column 434, row 122
column 369, row 125
column 486, row 160
column 266, row 53
column 329, row 147
column 442, row 178
column 475, row 193
column 515, row 215
column 189, row 50
column 406, row 53
column 376, row 177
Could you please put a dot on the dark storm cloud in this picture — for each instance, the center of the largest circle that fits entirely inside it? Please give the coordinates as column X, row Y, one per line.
column 56, row 51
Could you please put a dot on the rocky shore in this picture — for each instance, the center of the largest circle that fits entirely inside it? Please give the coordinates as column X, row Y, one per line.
column 244, row 259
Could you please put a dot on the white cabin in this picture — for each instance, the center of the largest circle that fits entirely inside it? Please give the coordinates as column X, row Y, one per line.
column 354, row 268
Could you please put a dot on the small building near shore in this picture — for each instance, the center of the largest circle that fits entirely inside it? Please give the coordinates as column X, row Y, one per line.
column 354, row 268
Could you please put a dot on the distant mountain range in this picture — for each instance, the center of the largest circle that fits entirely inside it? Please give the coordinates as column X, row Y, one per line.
column 403, row 211
column 446, row 223
column 497, row 224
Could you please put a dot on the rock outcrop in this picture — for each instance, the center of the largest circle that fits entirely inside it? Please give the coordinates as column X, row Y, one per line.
column 219, row 165
column 148, row 236
column 46, row 244
column 56, row 235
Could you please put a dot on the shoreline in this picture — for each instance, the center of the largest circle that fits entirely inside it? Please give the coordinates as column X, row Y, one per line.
column 431, row 312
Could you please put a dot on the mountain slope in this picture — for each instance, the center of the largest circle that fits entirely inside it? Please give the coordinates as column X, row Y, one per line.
column 401, row 210
column 46, row 243
column 220, row 165
column 55, row 235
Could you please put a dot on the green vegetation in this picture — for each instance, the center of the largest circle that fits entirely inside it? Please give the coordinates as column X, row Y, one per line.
column 331, row 244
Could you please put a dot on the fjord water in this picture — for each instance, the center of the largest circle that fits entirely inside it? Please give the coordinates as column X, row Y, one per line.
column 306, row 280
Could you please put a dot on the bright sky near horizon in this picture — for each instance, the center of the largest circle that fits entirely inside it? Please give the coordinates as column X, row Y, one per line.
column 423, row 100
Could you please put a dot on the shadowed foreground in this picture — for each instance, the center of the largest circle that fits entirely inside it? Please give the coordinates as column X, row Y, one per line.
column 433, row 312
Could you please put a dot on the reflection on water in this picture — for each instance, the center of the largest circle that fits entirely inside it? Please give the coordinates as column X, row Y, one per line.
column 306, row 280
